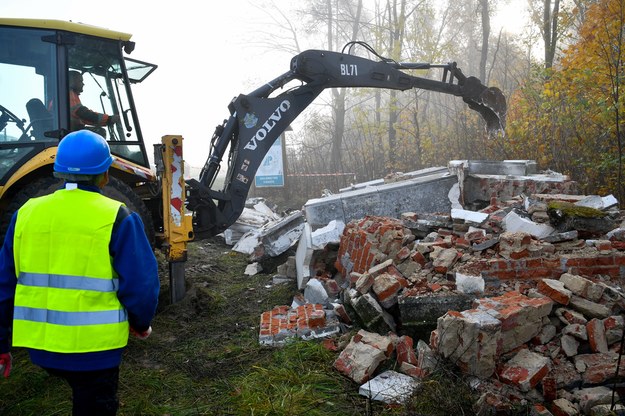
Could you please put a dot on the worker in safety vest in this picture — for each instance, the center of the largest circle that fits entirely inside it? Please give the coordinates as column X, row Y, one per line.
column 81, row 117
column 77, row 275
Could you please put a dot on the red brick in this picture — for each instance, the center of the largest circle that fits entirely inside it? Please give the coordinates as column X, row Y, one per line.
column 604, row 260
column 405, row 350
column 419, row 258
column 550, row 388
column 509, row 275
column 613, row 271
column 403, row 254
column 498, row 264
column 519, row 254
column 534, row 263
column 619, row 258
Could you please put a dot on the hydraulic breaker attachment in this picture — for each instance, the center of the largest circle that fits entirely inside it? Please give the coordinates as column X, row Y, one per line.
column 177, row 223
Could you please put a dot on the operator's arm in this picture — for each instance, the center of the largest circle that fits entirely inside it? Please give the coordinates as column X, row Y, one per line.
column 93, row 118
column 83, row 115
column 134, row 262
column 8, row 281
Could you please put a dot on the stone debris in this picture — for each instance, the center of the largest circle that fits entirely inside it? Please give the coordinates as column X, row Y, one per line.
column 389, row 387
column 256, row 213
column 272, row 238
column 531, row 310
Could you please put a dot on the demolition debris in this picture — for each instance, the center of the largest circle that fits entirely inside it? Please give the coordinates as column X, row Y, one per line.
column 513, row 278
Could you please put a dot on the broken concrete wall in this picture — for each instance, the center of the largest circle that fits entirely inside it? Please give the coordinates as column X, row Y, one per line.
column 424, row 193
column 463, row 183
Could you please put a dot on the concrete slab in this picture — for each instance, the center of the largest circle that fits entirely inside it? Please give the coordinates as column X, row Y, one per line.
column 424, row 193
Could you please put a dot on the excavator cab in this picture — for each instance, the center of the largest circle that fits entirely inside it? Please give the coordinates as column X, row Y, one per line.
column 36, row 57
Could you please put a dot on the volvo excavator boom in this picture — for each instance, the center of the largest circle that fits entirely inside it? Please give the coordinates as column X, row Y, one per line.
column 257, row 120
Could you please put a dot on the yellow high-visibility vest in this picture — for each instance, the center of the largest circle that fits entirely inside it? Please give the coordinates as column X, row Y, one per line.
column 66, row 294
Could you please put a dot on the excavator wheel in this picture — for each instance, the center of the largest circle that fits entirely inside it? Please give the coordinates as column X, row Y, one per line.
column 115, row 189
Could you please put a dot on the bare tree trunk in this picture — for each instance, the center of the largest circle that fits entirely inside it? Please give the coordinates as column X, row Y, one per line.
column 485, row 37
column 338, row 97
column 550, row 30
column 397, row 21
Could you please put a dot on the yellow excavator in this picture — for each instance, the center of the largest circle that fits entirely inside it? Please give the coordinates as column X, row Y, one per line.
column 36, row 57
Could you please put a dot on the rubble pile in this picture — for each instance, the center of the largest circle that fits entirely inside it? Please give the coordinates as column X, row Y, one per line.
column 524, row 296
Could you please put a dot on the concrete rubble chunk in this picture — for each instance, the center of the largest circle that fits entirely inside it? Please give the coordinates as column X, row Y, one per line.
column 588, row 308
column 568, row 316
column 386, row 287
column 583, row 287
column 555, row 290
column 253, row 268
column 598, row 202
column 617, row 234
column 614, row 328
column 358, row 361
column 596, row 335
column 525, row 370
column 578, row 331
column 372, row 315
column 469, row 284
column 563, row 407
column 312, row 247
column 444, row 260
column 560, row 237
column 315, row 292
column 273, row 238
column 598, row 368
column 389, row 387
column 569, row 345
column 470, row 339
column 590, row 397
column 423, row 191
column 514, row 223
column 418, row 311
column 251, row 218
column 426, row 358
column 538, row 409
column 468, row 216
column 608, row 410
column 381, row 342
column 546, row 334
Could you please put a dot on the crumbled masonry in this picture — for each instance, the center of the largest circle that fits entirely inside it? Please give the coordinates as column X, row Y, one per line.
column 530, row 308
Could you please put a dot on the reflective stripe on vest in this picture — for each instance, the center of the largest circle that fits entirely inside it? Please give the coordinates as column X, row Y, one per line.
column 66, row 294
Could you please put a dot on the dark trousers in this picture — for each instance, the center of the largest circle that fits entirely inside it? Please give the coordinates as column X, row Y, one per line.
column 94, row 393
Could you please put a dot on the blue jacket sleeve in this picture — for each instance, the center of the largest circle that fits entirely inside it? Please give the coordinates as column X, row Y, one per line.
column 136, row 265
column 8, row 281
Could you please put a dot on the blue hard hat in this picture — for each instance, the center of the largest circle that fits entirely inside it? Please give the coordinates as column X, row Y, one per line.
column 83, row 152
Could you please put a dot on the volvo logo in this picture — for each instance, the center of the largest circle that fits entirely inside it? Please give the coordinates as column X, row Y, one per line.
column 271, row 122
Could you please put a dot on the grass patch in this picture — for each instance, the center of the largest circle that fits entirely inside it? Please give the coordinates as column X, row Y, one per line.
column 297, row 381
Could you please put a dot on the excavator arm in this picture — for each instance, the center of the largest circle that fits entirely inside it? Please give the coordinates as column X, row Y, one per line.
column 257, row 120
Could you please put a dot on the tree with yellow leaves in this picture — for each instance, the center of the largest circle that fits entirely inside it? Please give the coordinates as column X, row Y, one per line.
column 569, row 117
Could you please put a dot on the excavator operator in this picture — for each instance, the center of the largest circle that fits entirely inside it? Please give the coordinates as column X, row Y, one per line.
column 82, row 117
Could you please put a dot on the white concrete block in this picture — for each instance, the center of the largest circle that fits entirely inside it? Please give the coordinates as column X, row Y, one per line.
column 515, row 223
column 469, row 216
column 389, row 387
